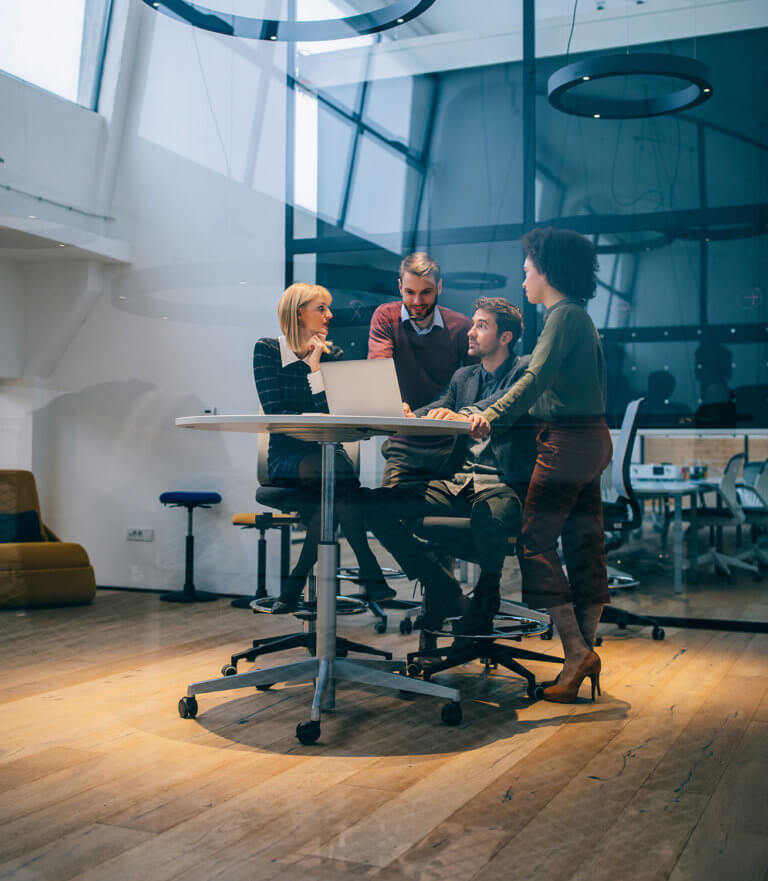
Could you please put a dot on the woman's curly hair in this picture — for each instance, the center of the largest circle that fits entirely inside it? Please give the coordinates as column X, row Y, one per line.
column 567, row 259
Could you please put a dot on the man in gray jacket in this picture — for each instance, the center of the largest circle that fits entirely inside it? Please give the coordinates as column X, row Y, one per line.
column 482, row 479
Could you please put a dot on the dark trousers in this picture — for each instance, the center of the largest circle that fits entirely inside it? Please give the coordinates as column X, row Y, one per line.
column 494, row 513
column 564, row 499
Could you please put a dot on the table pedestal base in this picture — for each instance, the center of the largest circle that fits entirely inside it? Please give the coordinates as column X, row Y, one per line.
column 326, row 672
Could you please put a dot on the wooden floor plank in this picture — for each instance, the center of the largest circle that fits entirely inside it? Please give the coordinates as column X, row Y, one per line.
column 60, row 860
column 730, row 841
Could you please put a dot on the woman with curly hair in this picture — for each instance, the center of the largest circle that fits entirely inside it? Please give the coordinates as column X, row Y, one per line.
column 564, row 389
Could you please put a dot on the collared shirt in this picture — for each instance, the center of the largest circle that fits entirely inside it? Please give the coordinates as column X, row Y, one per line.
column 288, row 356
column 437, row 321
column 479, row 465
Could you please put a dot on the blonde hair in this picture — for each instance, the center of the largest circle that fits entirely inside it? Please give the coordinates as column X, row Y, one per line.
column 422, row 264
column 292, row 301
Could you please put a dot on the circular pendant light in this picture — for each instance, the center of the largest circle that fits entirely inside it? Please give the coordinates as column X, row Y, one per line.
column 636, row 244
column 562, row 87
column 474, row 281
column 389, row 16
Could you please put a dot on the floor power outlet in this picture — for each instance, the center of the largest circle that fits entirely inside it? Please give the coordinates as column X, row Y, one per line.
column 138, row 533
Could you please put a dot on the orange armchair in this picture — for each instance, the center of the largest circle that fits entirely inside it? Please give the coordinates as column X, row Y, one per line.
column 36, row 567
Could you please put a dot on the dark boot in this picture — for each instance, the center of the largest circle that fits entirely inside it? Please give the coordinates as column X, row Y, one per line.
column 291, row 591
column 485, row 602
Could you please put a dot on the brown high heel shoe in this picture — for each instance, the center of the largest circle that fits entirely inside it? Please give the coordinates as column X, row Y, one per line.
column 566, row 690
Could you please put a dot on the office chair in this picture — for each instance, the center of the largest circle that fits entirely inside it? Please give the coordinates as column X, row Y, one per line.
column 727, row 512
column 623, row 515
column 513, row 622
column 305, row 504
column 753, row 497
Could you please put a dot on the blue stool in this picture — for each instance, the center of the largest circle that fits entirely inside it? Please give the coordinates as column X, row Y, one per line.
column 190, row 501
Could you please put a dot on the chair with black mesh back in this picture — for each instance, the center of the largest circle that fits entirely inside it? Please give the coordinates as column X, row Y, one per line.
column 623, row 515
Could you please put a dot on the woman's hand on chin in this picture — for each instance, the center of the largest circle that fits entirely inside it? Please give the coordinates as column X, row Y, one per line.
column 315, row 347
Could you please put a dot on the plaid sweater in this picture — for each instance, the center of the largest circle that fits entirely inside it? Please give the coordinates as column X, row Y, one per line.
column 286, row 390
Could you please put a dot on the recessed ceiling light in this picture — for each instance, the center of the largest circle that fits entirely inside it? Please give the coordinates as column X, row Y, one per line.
column 585, row 78
column 400, row 20
column 32, row 216
column 122, row 297
column 62, row 245
column 243, row 282
column 595, row 116
column 164, row 318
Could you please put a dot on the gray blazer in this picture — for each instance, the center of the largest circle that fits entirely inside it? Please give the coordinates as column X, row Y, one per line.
column 514, row 447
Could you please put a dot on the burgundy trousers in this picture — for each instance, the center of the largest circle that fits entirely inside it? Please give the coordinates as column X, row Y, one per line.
column 564, row 500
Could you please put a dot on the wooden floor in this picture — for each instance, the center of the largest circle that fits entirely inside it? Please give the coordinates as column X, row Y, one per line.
column 665, row 776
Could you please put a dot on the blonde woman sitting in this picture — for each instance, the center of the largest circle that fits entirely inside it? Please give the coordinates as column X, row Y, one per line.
column 288, row 380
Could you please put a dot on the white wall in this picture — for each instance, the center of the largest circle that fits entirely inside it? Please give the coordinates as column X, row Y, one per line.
column 188, row 157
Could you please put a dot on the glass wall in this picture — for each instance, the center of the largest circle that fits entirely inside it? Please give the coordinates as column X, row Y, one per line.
column 57, row 45
column 676, row 204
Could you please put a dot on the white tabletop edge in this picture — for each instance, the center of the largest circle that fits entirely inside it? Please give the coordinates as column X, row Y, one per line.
column 310, row 419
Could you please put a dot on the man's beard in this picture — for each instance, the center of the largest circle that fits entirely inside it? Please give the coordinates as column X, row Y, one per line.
column 425, row 315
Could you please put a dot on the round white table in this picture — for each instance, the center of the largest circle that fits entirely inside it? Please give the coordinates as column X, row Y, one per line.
column 326, row 668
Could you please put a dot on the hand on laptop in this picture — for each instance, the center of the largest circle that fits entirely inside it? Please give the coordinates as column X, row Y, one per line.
column 445, row 413
column 408, row 412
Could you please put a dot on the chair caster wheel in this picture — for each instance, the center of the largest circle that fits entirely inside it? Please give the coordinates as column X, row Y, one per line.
column 657, row 633
column 264, row 687
column 531, row 691
column 414, row 670
column 308, row 732
column 451, row 714
column 188, row 708
column 538, row 693
column 380, row 627
column 228, row 670
column 548, row 633
column 598, row 640
column 406, row 626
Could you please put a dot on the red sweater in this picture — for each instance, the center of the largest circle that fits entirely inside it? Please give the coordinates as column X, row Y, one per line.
column 424, row 364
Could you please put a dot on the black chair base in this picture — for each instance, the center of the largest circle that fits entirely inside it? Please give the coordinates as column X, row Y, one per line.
column 304, row 640
column 425, row 663
column 622, row 619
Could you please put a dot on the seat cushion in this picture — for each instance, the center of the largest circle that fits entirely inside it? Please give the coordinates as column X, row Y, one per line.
column 34, row 588
column 288, row 499
column 190, row 498
column 20, row 526
column 264, row 519
column 42, row 555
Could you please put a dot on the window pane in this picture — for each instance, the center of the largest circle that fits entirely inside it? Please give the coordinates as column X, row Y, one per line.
column 56, row 44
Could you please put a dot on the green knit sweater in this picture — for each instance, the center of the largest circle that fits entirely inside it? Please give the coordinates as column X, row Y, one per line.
column 565, row 378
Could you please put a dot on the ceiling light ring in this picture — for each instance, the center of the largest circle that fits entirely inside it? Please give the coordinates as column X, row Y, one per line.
column 389, row 16
column 721, row 233
column 474, row 281
column 659, row 239
column 596, row 67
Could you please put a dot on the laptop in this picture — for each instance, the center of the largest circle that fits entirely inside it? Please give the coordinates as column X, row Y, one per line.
column 362, row 388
